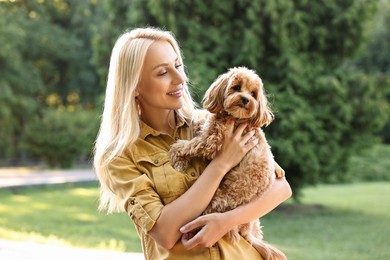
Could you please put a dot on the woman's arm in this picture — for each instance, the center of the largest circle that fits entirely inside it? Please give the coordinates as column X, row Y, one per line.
column 215, row 226
column 195, row 200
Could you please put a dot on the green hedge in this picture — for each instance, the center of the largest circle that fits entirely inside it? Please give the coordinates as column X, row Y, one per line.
column 60, row 137
column 372, row 164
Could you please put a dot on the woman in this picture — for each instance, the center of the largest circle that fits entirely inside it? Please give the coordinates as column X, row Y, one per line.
column 148, row 107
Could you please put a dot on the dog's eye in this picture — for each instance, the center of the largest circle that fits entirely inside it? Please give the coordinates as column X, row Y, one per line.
column 253, row 94
column 237, row 88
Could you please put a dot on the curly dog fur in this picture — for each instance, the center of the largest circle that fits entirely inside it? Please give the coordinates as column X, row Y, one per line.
column 236, row 95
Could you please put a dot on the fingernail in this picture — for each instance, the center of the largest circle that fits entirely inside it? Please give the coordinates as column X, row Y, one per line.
column 183, row 229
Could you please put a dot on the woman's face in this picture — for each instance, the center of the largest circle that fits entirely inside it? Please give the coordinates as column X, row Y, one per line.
column 162, row 78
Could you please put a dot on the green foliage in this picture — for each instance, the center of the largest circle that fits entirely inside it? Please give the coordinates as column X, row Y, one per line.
column 61, row 137
column 325, row 111
column 374, row 57
column 20, row 82
column 45, row 50
column 371, row 164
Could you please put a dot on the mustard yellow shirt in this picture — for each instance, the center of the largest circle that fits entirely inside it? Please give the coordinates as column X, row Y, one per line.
column 145, row 181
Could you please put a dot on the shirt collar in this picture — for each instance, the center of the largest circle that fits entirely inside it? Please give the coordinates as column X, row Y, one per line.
column 147, row 130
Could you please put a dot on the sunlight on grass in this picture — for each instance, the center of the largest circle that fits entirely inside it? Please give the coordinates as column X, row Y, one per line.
column 84, row 192
column 40, row 205
column 113, row 244
column 32, row 237
column 333, row 221
column 66, row 215
column 86, row 217
column 368, row 198
column 20, row 199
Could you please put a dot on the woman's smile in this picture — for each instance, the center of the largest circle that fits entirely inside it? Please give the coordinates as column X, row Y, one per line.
column 176, row 93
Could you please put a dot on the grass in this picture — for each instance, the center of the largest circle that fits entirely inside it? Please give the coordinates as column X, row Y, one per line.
column 333, row 221
column 65, row 215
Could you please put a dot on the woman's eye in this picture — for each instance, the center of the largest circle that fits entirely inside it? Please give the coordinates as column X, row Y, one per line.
column 163, row 73
column 178, row 66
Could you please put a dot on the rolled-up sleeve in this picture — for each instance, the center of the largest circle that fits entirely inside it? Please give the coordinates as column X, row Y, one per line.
column 136, row 193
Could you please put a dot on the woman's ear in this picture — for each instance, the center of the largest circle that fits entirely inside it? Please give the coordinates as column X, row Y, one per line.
column 214, row 96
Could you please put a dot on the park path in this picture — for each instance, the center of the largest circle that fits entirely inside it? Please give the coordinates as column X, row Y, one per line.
column 16, row 250
column 22, row 176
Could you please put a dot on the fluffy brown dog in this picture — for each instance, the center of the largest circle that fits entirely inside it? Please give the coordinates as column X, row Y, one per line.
column 236, row 95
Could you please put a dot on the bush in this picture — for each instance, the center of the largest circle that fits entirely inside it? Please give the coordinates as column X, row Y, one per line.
column 59, row 138
column 371, row 164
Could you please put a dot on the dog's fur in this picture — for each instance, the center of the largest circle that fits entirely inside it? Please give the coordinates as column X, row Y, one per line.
column 236, row 95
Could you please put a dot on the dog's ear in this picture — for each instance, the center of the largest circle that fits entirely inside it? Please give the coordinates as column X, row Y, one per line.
column 214, row 96
column 264, row 115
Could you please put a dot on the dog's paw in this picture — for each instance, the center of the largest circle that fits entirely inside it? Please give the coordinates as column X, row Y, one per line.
column 179, row 165
column 177, row 156
column 178, row 146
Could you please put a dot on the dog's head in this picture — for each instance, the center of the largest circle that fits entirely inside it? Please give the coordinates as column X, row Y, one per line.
column 239, row 92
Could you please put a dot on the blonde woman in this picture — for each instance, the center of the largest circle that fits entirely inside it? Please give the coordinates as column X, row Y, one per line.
column 147, row 107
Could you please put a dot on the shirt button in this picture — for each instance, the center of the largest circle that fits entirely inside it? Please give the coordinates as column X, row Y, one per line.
column 132, row 202
column 193, row 174
column 155, row 161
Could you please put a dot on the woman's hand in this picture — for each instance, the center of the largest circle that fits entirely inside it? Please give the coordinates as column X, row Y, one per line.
column 204, row 231
column 235, row 145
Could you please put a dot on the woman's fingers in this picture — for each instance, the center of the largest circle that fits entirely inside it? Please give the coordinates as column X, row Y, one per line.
column 240, row 129
column 191, row 237
column 195, row 224
column 248, row 137
column 204, row 231
column 189, row 241
column 236, row 144
column 199, row 237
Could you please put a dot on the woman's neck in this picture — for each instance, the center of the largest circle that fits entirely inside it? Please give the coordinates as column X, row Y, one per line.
column 164, row 122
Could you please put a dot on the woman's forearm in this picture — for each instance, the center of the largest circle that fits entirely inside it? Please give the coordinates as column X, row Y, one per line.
column 279, row 192
column 188, row 206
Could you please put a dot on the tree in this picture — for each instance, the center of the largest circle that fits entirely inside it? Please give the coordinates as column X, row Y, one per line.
column 325, row 110
column 374, row 57
column 20, row 82
column 45, row 52
column 67, row 136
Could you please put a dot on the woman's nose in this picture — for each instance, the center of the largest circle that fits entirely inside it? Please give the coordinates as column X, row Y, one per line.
column 179, row 77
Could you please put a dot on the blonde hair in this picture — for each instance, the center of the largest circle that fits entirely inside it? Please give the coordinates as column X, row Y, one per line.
column 120, row 124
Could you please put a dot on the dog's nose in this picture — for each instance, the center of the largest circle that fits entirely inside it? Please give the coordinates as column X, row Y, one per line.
column 244, row 100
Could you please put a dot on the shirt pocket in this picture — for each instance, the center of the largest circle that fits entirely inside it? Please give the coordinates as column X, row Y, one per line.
column 168, row 182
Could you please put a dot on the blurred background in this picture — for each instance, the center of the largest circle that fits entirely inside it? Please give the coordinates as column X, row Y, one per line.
column 325, row 66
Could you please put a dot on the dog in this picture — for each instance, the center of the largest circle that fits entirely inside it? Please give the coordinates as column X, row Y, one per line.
column 235, row 95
